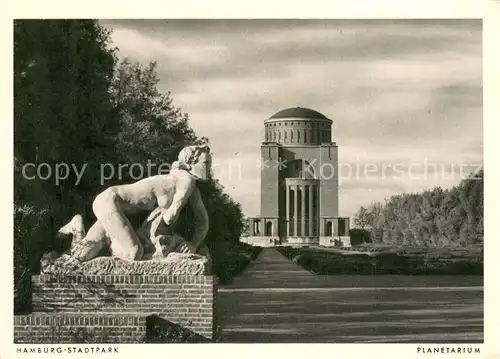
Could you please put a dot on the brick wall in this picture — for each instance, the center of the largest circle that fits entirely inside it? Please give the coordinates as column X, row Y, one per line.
column 181, row 304
column 67, row 328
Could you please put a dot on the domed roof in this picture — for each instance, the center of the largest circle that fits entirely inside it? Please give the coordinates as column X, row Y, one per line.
column 301, row 112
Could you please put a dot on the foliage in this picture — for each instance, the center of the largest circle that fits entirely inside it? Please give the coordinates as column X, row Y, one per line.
column 27, row 222
column 62, row 107
column 359, row 236
column 387, row 261
column 437, row 217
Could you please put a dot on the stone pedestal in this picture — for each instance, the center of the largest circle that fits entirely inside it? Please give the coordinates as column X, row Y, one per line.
column 145, row 308
column 108, row 300
column 74, row 328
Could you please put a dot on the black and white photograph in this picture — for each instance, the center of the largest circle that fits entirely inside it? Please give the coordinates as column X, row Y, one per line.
column 248, row 181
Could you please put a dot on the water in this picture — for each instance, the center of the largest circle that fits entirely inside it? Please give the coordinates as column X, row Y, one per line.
column 277, row 301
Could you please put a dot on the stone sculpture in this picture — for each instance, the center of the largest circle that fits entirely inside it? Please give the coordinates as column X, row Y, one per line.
column 164, row 196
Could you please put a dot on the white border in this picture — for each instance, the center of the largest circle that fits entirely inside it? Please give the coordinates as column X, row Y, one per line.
column 488, row 10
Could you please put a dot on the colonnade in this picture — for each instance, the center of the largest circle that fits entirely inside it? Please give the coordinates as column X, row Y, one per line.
column 302, row 204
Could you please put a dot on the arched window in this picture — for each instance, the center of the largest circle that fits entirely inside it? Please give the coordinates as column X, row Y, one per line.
column 269, row 228
column 329, row 229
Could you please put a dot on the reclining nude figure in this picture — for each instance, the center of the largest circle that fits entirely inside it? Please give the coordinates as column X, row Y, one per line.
column 163, row 195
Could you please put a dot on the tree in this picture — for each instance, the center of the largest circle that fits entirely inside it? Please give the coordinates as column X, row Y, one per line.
column 434, row 217
column 62, row 114
column 361, row 218
column 62, row 107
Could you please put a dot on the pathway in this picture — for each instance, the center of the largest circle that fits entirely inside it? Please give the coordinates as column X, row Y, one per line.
column 275, row 300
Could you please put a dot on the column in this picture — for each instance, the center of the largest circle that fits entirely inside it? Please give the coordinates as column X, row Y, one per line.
column 316, row 210
column 303, row 207
column 287, row 219
column 295, row 217
column 311, row 210
column 251, row 227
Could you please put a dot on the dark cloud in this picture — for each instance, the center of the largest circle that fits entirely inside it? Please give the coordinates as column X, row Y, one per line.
column 200, row 26
column 253, row 52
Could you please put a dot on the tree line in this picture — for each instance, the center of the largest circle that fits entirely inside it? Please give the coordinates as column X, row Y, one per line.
column 436, row 217
column 76, row 102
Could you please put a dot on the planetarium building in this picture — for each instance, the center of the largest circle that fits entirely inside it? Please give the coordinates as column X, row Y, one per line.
column 299, row 183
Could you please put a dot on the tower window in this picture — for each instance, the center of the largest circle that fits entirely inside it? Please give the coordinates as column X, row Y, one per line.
column 329, row 229
column 342, row 226
column 269, row 229
column 305, row 135
column 291, row 135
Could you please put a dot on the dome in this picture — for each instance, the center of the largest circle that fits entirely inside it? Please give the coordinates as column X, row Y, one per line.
column 299, row 112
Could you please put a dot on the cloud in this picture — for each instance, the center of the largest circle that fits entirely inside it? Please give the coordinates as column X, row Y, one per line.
column 398, row 91
column 134, row 44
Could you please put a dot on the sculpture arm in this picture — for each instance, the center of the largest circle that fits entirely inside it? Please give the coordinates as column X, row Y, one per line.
column 201, row 218
column 155, row 218
column 183, row 190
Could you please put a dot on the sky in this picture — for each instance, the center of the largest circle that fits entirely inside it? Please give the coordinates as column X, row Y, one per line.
column 405, row 96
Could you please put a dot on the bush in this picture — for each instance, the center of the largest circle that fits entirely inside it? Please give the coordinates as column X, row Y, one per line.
column 29, row 226
column 384, row 262
column 230, row 259
column 359, row 236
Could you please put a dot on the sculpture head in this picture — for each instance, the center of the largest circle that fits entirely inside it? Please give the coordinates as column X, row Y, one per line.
column 196, row 160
